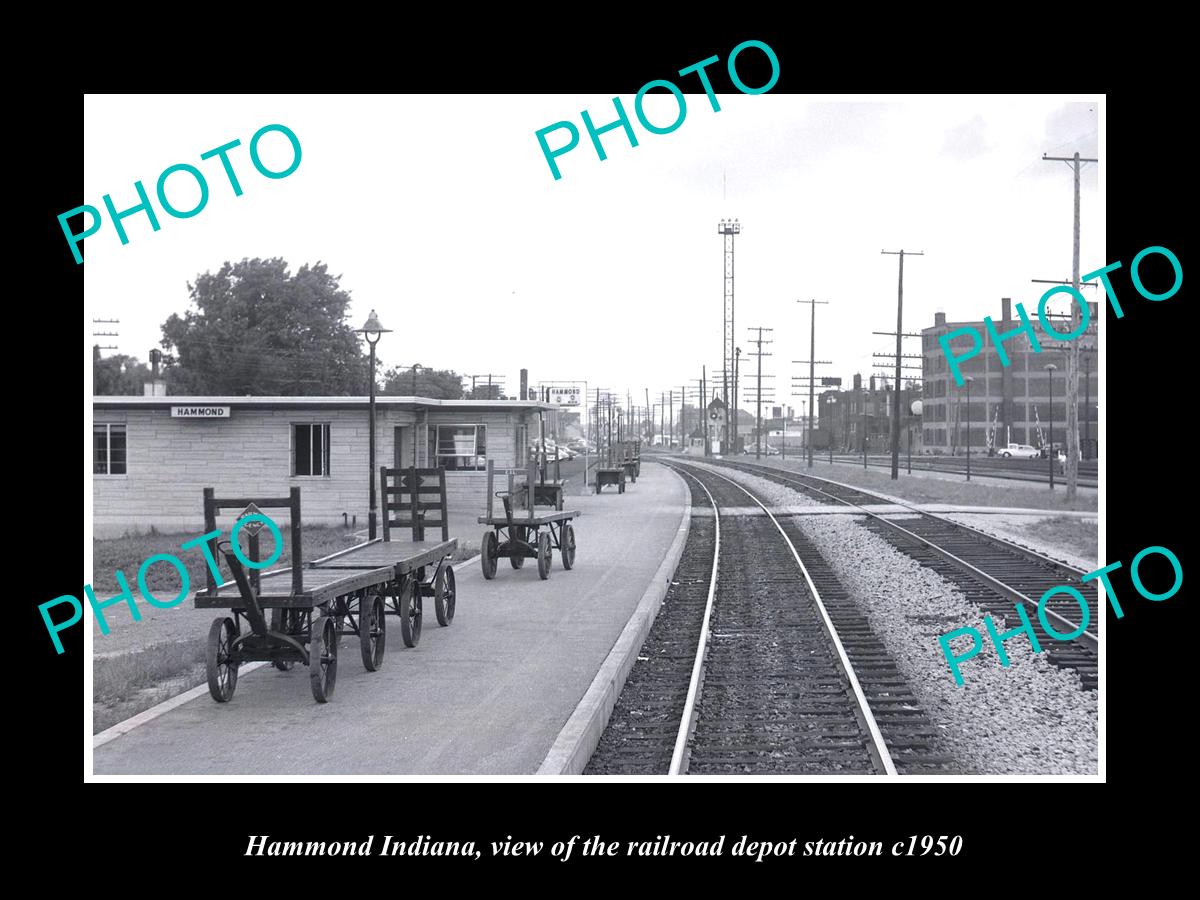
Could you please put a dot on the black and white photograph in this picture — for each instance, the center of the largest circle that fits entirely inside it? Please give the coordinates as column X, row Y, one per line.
column 692, row 433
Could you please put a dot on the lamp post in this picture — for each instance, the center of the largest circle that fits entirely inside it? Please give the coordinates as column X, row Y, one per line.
column 1050, row 369
column 917, row 407
column 415, row 366
column 832, row 400
column 969, row 379
column 372, row 331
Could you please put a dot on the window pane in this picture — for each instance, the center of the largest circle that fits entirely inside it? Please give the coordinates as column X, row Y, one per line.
column 318, row 449
column 481, row 441
column 116, row 446
column 325, row 468
column 460, row 446
column 302, row 463
column 99, row 449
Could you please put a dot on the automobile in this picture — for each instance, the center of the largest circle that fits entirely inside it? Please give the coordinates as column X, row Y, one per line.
column 553, row 451
column 1018, row 451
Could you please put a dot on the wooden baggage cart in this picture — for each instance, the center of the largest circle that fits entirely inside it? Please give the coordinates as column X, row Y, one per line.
column 611, row 475
column 631, row 459
column 524, row 531
column 311, row 606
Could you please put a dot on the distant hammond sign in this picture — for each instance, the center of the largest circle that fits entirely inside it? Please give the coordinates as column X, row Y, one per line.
column 564, row 396
column 199, row 412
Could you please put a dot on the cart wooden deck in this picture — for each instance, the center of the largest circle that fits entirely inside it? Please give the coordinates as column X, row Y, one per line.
column 312, row 605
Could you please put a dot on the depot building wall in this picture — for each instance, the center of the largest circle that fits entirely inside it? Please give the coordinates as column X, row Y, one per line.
column 169, row 461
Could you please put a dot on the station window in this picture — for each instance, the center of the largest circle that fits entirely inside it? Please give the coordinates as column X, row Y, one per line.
column 108, row 449
column 310, row 449
column 460, row 447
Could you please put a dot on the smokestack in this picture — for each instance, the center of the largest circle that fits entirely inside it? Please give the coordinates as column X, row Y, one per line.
column 872, row 384
column 857, row 381
column 524, row 395
column 939, row 318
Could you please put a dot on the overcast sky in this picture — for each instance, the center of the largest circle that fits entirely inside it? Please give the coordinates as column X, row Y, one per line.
column 440, row 212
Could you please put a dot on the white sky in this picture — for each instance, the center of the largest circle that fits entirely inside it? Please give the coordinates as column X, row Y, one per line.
column 441, row 213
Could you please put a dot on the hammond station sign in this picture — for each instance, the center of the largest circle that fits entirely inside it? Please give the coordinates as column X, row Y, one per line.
column 199, row 412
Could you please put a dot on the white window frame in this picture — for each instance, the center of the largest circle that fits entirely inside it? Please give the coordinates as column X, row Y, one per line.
column 438, row 455
column 108, row 472
column 326, row 462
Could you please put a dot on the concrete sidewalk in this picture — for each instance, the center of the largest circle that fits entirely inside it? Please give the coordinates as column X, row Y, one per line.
column 488, row 695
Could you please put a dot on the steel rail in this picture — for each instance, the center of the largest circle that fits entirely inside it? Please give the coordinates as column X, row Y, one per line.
column 990, row 580
column 687, row 720
column 879, row 751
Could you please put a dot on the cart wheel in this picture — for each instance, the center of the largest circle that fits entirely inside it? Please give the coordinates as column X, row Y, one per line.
column 568, row 546
column 487, row 555
column 322, row 658
column 517, row 561
column 222, row 670
column 410, row 613
column 444, row 595
column 544, row 556
column 372, row 632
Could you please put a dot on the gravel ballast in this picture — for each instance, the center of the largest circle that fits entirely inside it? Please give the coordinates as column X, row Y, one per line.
column 771, row 493
column 1029, row 718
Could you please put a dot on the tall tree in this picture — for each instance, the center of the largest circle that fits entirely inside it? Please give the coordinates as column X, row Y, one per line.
column 118, row 375
column 437, row 384
column 256, row 329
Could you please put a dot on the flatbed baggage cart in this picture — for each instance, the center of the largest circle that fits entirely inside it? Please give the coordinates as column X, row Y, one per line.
column 610, row 475
column 524, row 531
column 311, row 606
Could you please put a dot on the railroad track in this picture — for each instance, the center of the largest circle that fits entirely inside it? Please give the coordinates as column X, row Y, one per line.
column 983, row 467
column 759, row 662
column 992, row 573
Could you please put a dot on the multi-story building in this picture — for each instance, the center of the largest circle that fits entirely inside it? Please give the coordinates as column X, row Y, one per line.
column 1009, row 404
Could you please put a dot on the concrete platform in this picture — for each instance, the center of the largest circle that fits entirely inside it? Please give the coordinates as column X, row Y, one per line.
column 486, row 696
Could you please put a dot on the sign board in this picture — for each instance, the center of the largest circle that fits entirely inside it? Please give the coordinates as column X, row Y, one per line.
column 199, row 412
column 565, row 396
column 252, row 528
column 831, row 382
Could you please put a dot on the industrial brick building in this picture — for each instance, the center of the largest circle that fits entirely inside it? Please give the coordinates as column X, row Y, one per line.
column 153, row 455
column 1009, row 404
column 851, row 416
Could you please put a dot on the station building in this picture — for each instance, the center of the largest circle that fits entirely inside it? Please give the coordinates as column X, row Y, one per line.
column 152, row 456
column 1013, row 401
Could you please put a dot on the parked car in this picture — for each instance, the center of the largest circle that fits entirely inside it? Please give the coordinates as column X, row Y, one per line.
column 1019, row 451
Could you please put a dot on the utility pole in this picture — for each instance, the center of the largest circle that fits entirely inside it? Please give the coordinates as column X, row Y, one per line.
column 812, row 362
column 671, row 403
column 758, row 389
column 899, row 354
column 728, row 230
column 1076, row 162
column 704, row 406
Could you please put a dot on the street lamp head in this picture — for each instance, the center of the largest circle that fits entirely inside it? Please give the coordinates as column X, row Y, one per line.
column 1051, row 367
column 372, row 330
column 969, row 378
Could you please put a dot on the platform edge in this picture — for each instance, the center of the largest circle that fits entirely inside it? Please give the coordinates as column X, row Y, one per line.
column 579, row 737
